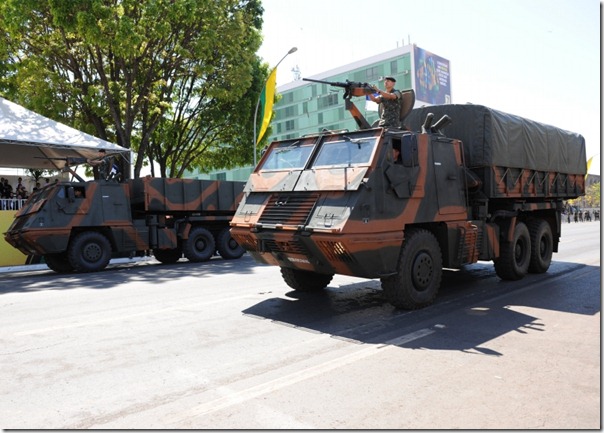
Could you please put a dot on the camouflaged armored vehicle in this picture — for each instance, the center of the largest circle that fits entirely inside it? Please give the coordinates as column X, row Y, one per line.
column 80, row 226
column 400, row 205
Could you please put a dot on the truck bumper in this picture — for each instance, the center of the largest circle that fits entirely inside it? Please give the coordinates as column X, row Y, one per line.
column 372, row 255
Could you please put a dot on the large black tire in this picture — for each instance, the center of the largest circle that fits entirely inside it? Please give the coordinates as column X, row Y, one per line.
column 89, row 252
column 305, row 281
column 200, row 245
column 168, row 256
column 515, row 256
column 228, row 248
column 542, row 246
column 58, row 262
column 419, row 273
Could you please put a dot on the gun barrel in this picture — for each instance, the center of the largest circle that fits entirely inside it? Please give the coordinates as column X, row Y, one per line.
column 331, row 83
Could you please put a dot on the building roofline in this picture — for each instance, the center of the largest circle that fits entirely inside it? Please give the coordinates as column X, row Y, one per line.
column 405, row 49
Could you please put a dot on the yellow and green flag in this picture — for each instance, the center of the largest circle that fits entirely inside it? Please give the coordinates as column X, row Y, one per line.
column 588, row 166
column 266, row 99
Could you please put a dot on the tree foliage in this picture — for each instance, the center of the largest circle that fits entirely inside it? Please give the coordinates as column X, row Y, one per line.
column 591, row 198
column 592, row 195
column 172, row 80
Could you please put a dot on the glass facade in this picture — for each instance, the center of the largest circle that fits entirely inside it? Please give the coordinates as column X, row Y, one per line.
column 307, row 107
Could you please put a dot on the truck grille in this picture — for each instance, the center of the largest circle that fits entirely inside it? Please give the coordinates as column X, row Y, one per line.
column 335, row 251
column 289, row 209
column 289, row 247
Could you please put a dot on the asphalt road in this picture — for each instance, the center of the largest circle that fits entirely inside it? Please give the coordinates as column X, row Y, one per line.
column 227, row 345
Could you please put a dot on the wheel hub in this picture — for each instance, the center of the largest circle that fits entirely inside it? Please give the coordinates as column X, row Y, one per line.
column 422, row 271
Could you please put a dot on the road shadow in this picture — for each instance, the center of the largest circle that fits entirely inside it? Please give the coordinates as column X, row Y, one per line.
column 149, row 271
column 473, row 308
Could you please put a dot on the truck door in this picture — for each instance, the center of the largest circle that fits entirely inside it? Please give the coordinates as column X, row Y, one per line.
column 115, row 202
column 448, row 171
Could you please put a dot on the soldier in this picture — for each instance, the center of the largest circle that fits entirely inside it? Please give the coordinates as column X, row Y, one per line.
column 391, row 100
column 103, row 164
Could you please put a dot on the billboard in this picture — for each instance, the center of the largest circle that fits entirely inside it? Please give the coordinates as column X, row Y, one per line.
column 432, row 77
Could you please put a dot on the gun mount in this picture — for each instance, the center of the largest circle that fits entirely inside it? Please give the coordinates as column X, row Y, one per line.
column 351, row 88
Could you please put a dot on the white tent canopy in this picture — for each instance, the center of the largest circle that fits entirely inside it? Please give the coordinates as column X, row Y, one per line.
column 28, row 139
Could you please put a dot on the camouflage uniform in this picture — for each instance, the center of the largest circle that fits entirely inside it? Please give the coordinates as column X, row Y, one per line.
column 104, row 167
column 391, row 111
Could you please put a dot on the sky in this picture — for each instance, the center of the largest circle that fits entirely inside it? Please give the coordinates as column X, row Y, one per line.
column 538, row 59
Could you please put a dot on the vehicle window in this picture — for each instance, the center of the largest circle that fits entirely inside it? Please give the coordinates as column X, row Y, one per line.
column 288, row 155
column 345, row 152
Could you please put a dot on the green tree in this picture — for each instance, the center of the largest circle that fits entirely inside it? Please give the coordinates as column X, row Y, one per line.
column 592, row 195
column 138, row 72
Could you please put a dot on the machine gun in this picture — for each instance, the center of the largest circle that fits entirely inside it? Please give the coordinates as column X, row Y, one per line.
column 69, row 162
column 351, row 88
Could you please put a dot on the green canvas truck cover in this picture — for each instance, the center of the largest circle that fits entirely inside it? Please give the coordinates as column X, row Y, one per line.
column 495, row 138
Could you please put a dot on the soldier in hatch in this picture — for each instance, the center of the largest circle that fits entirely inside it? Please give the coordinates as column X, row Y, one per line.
column 391, row 100
column 103, row 164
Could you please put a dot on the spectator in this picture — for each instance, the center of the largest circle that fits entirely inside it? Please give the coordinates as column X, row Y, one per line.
column 8, row 189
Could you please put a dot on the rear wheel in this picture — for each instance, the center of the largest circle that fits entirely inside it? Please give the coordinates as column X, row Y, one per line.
column 542, row 246
column 89, row 252
column 305, row 281
column 515, row 256
column 228, row 248
column 200, row 245
column 168, row 256
column 419, row 273
column 58, row 262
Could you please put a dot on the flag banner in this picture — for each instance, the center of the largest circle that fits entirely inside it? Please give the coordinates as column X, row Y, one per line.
column 266, row 99
column 588, row 165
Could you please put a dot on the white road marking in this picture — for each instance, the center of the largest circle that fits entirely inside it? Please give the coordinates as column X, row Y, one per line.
column 232, row 398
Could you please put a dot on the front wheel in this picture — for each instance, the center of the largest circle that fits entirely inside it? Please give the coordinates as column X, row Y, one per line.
column 419, row 273
column 305, row 281
column 515, row 256
column 89, row 252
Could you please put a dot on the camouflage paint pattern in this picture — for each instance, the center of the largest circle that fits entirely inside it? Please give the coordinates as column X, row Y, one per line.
column 341, row 215
column 138, row 215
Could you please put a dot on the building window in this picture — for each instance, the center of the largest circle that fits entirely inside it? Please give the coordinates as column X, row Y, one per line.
column 327, row 101
column 305, row 108
column 288, row 98
column 291, row 110
column 393, row 67
column 320, row 119
column 372, row 74
column 289, row 125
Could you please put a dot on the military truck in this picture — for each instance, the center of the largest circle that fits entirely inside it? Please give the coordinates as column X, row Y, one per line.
column 80, row 226
column 402, row 204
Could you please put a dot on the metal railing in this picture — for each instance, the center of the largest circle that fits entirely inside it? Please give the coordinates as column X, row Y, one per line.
column 12, row 203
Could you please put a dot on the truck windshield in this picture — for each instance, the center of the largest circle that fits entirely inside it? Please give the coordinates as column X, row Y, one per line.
column 288, row 155
column 345, row 151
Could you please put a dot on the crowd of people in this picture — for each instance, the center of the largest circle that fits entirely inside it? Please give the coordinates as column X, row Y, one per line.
column 12, row 197
column 578, row 215
column 18, row 192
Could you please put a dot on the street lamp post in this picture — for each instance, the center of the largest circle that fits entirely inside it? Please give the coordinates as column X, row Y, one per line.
column 292, row 50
